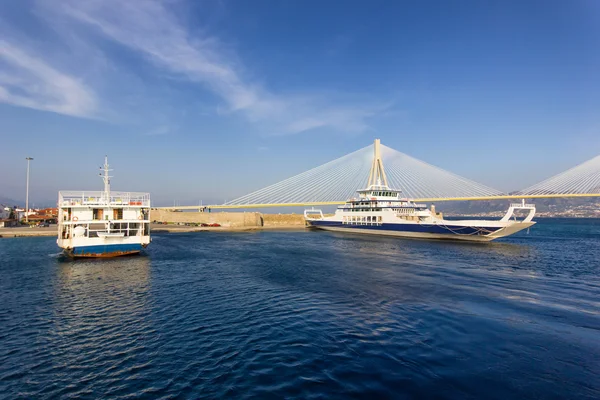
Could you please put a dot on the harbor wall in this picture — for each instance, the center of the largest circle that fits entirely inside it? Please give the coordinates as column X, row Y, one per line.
column 283, row 219
column 227, row 219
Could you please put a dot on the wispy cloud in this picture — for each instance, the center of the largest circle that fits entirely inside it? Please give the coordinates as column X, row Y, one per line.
column 150, row 28
column 81, row 76
column 28, row 81
column 159, row 131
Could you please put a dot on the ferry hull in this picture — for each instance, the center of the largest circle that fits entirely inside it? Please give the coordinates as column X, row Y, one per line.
column 426, row 231
column 104, row 251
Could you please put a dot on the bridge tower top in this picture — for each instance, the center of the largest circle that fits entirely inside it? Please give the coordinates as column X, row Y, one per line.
column 377, row 174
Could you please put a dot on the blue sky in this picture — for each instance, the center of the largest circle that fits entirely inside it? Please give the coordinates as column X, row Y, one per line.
column 212, row 99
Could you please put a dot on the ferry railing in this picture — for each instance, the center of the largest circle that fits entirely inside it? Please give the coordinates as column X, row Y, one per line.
column 128, row 232
column 65, row 221
column 125, row 228
column 522, row 205
column 94, row 198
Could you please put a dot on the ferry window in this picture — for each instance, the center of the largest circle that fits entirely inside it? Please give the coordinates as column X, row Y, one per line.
column 118, row 213
column 98, row 213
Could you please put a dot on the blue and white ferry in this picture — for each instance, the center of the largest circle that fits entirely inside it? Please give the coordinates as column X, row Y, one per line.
column 381, row 210
column 103, row 224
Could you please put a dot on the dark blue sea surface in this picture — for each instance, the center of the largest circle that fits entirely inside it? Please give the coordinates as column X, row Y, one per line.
column 306, row 314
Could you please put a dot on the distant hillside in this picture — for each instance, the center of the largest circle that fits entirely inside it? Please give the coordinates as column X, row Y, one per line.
column 9, row 202
column 32, row 202
column 559, row 207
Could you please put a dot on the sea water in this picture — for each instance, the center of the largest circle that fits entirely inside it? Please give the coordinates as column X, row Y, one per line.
column 306, row 314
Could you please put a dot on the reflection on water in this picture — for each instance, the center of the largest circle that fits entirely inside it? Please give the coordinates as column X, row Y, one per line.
column 100, row 293
column 100, row 307
column 510, row 256
column 129, row 272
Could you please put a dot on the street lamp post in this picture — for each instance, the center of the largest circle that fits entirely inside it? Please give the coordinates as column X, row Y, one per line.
column 27, row 192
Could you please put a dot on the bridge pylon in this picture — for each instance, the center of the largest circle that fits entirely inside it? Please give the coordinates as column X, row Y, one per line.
column 377, row 174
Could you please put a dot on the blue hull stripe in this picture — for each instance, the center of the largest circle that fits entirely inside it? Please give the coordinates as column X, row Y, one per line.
column 107, row 250
column 416, row 228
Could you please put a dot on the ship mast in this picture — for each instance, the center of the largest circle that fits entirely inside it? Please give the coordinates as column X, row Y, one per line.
column 377, row 174
column 106, row 179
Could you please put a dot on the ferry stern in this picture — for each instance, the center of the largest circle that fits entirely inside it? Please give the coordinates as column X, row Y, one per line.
column 103, row 224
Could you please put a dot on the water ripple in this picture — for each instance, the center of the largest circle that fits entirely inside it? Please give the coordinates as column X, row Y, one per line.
column 306, row 314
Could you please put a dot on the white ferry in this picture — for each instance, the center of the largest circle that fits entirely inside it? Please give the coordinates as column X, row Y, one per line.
column 103, row 224
column 380, row 210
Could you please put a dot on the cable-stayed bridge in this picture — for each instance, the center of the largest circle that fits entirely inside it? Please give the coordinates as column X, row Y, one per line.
column 334, row 182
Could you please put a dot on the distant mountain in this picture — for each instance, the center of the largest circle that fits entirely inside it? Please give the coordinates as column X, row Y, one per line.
column 32, row 202
column 576, row 207
column 10, row 202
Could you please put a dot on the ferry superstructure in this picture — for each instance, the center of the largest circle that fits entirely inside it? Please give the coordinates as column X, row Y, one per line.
column 103, row 223
column 380, row 210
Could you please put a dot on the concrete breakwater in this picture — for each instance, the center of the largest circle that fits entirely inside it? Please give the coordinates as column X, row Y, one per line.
column 27, row 232
column 228, row 219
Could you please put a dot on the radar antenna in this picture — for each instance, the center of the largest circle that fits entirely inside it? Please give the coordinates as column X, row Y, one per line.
column 106, row 178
